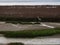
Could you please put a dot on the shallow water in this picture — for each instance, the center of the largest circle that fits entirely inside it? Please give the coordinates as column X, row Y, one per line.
column 37, row 41
column 34, row 41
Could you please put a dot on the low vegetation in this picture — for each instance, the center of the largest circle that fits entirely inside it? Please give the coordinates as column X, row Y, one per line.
column 27, row 20
column 30, row 33
column 19, row 20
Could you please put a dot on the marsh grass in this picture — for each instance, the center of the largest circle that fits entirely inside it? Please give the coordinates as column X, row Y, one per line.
column 31, row 33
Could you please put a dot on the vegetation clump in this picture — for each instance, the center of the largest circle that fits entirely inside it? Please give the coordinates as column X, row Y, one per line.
column 30, row 33
column 29, row 19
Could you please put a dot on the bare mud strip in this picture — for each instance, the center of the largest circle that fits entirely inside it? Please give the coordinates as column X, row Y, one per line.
column 15, row 27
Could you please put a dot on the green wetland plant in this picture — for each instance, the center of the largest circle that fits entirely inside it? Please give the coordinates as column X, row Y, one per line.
column 30, row 33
